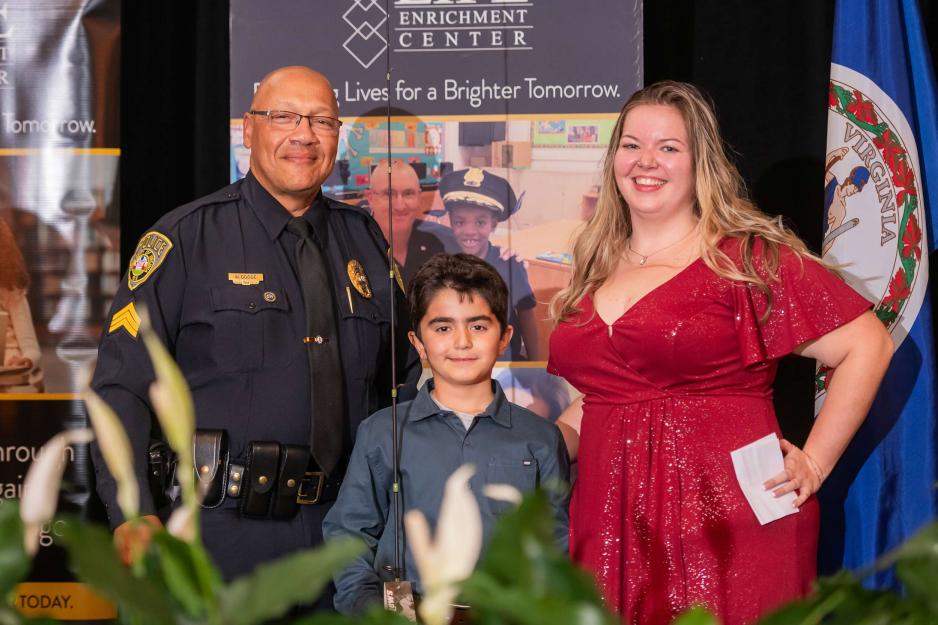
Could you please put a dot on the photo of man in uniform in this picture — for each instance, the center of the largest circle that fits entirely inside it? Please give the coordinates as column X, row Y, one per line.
column 399, row 199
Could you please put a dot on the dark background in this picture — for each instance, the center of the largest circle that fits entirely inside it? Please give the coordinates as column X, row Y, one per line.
column 765, row 64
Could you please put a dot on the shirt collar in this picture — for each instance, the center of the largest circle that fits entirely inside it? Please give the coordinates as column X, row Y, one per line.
column 499, row 409
column 274, row 216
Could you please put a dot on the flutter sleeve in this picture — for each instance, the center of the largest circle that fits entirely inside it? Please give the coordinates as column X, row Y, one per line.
column 807, row 302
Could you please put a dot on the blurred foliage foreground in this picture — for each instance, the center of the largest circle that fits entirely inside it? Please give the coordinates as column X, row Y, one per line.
column 522, row 579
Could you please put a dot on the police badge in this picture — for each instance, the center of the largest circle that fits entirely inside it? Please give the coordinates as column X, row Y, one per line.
column 474, row 177
column 356, row 275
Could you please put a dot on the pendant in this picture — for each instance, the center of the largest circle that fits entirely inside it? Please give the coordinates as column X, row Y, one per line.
column 641, row 263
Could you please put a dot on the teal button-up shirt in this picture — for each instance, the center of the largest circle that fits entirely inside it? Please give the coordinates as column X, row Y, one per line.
column 506, row 443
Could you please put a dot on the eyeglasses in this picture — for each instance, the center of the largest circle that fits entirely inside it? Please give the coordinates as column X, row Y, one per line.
column 288, row 120
column 408, row 194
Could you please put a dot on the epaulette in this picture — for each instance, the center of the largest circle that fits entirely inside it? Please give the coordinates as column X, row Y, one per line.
column 376, row 235
column 336, row 204
column 231, row 193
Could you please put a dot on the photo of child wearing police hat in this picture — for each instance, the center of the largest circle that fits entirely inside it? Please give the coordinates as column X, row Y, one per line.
column 477, row 201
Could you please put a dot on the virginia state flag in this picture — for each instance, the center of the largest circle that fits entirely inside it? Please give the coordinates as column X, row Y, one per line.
column 880, row 199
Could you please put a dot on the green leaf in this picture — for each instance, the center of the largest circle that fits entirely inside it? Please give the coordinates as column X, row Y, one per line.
column 95, row 562
column 191, row 578
column 923, row 544
column 375, row 616
column 524, row 579
column 494, row 603
column 274, row 587
column 696, row 616
column 12, row 616
column 14, row 563
column 920, row 578
column 522, row 554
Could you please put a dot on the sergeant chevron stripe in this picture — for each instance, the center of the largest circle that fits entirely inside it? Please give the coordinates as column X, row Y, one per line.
column 126, row 318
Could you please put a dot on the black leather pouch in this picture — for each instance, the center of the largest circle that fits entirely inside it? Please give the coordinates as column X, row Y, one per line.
column 293, row 462
column 260, row 478
column 210, row 454
column 161, row 474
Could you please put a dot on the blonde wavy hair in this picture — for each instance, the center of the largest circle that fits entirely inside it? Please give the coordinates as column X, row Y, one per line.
column 721, row 204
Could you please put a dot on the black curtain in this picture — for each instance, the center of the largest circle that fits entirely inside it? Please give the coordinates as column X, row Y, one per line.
column 174, row 108
column 765, row 65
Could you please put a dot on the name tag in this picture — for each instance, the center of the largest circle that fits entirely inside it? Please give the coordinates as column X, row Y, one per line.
column 246, row 279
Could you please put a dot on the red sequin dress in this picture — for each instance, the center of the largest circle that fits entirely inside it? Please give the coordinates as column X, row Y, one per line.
column 671, row 387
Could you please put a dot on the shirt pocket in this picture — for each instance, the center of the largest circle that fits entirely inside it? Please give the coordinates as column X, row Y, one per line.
column 521, row 473
column 368, row 324
column 252, row 327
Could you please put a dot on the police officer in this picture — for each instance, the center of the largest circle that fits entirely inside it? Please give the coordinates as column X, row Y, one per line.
column 477, row 201
column 274, row 345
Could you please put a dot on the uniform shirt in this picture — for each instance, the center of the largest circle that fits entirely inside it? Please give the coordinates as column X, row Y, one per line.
column 240, row 344
column 519, row 291
column 507, row 444
column 421, row 246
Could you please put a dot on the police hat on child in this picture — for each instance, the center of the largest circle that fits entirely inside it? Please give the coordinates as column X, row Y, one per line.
column 479, row 188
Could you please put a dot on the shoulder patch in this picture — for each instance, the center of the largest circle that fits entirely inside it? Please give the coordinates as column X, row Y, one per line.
column 126, row 318
column 150, row 253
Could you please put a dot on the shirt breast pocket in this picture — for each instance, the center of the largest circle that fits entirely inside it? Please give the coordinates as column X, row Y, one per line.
column 252, row 327
column 368, row 324
column 520, row 473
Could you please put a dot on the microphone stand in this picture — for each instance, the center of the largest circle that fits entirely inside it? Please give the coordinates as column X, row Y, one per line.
column 398, row 595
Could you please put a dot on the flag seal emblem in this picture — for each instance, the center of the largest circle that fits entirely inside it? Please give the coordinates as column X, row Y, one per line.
column 872, row 202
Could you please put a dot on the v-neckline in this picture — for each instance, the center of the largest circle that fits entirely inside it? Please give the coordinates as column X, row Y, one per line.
column 641, row 299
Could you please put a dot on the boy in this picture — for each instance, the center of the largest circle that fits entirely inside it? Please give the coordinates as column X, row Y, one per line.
column 476, row 201
column 459, row 305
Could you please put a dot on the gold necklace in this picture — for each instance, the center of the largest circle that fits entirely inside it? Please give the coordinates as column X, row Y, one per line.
column 644, row 257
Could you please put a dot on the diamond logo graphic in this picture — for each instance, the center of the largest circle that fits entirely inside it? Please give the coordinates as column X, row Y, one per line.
column 366, row 43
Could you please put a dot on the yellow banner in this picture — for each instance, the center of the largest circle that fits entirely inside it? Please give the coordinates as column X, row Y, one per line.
column 65, row 601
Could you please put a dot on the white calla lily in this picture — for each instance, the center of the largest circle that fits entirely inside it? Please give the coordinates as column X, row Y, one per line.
column 182, row 523
column 41, row 485
column 446, row 560
column 503, row 492
column 115, row 447
column 175, row 411
column 173, row 405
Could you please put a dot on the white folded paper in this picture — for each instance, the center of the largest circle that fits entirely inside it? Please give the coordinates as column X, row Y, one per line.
column 754, row 464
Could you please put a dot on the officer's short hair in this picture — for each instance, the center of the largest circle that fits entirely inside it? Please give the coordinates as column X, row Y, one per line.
column 465, row 274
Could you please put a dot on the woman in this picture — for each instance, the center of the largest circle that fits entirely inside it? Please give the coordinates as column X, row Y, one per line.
column 19, row 367
column 683, row 298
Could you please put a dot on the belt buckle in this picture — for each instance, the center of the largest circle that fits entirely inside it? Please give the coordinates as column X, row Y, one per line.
column 303, row 497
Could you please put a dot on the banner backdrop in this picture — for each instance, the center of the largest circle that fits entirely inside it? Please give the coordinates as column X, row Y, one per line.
column 525, row 90
column 59, row 256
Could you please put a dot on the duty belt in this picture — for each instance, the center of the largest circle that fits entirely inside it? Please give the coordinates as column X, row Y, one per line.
column 274, row 481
